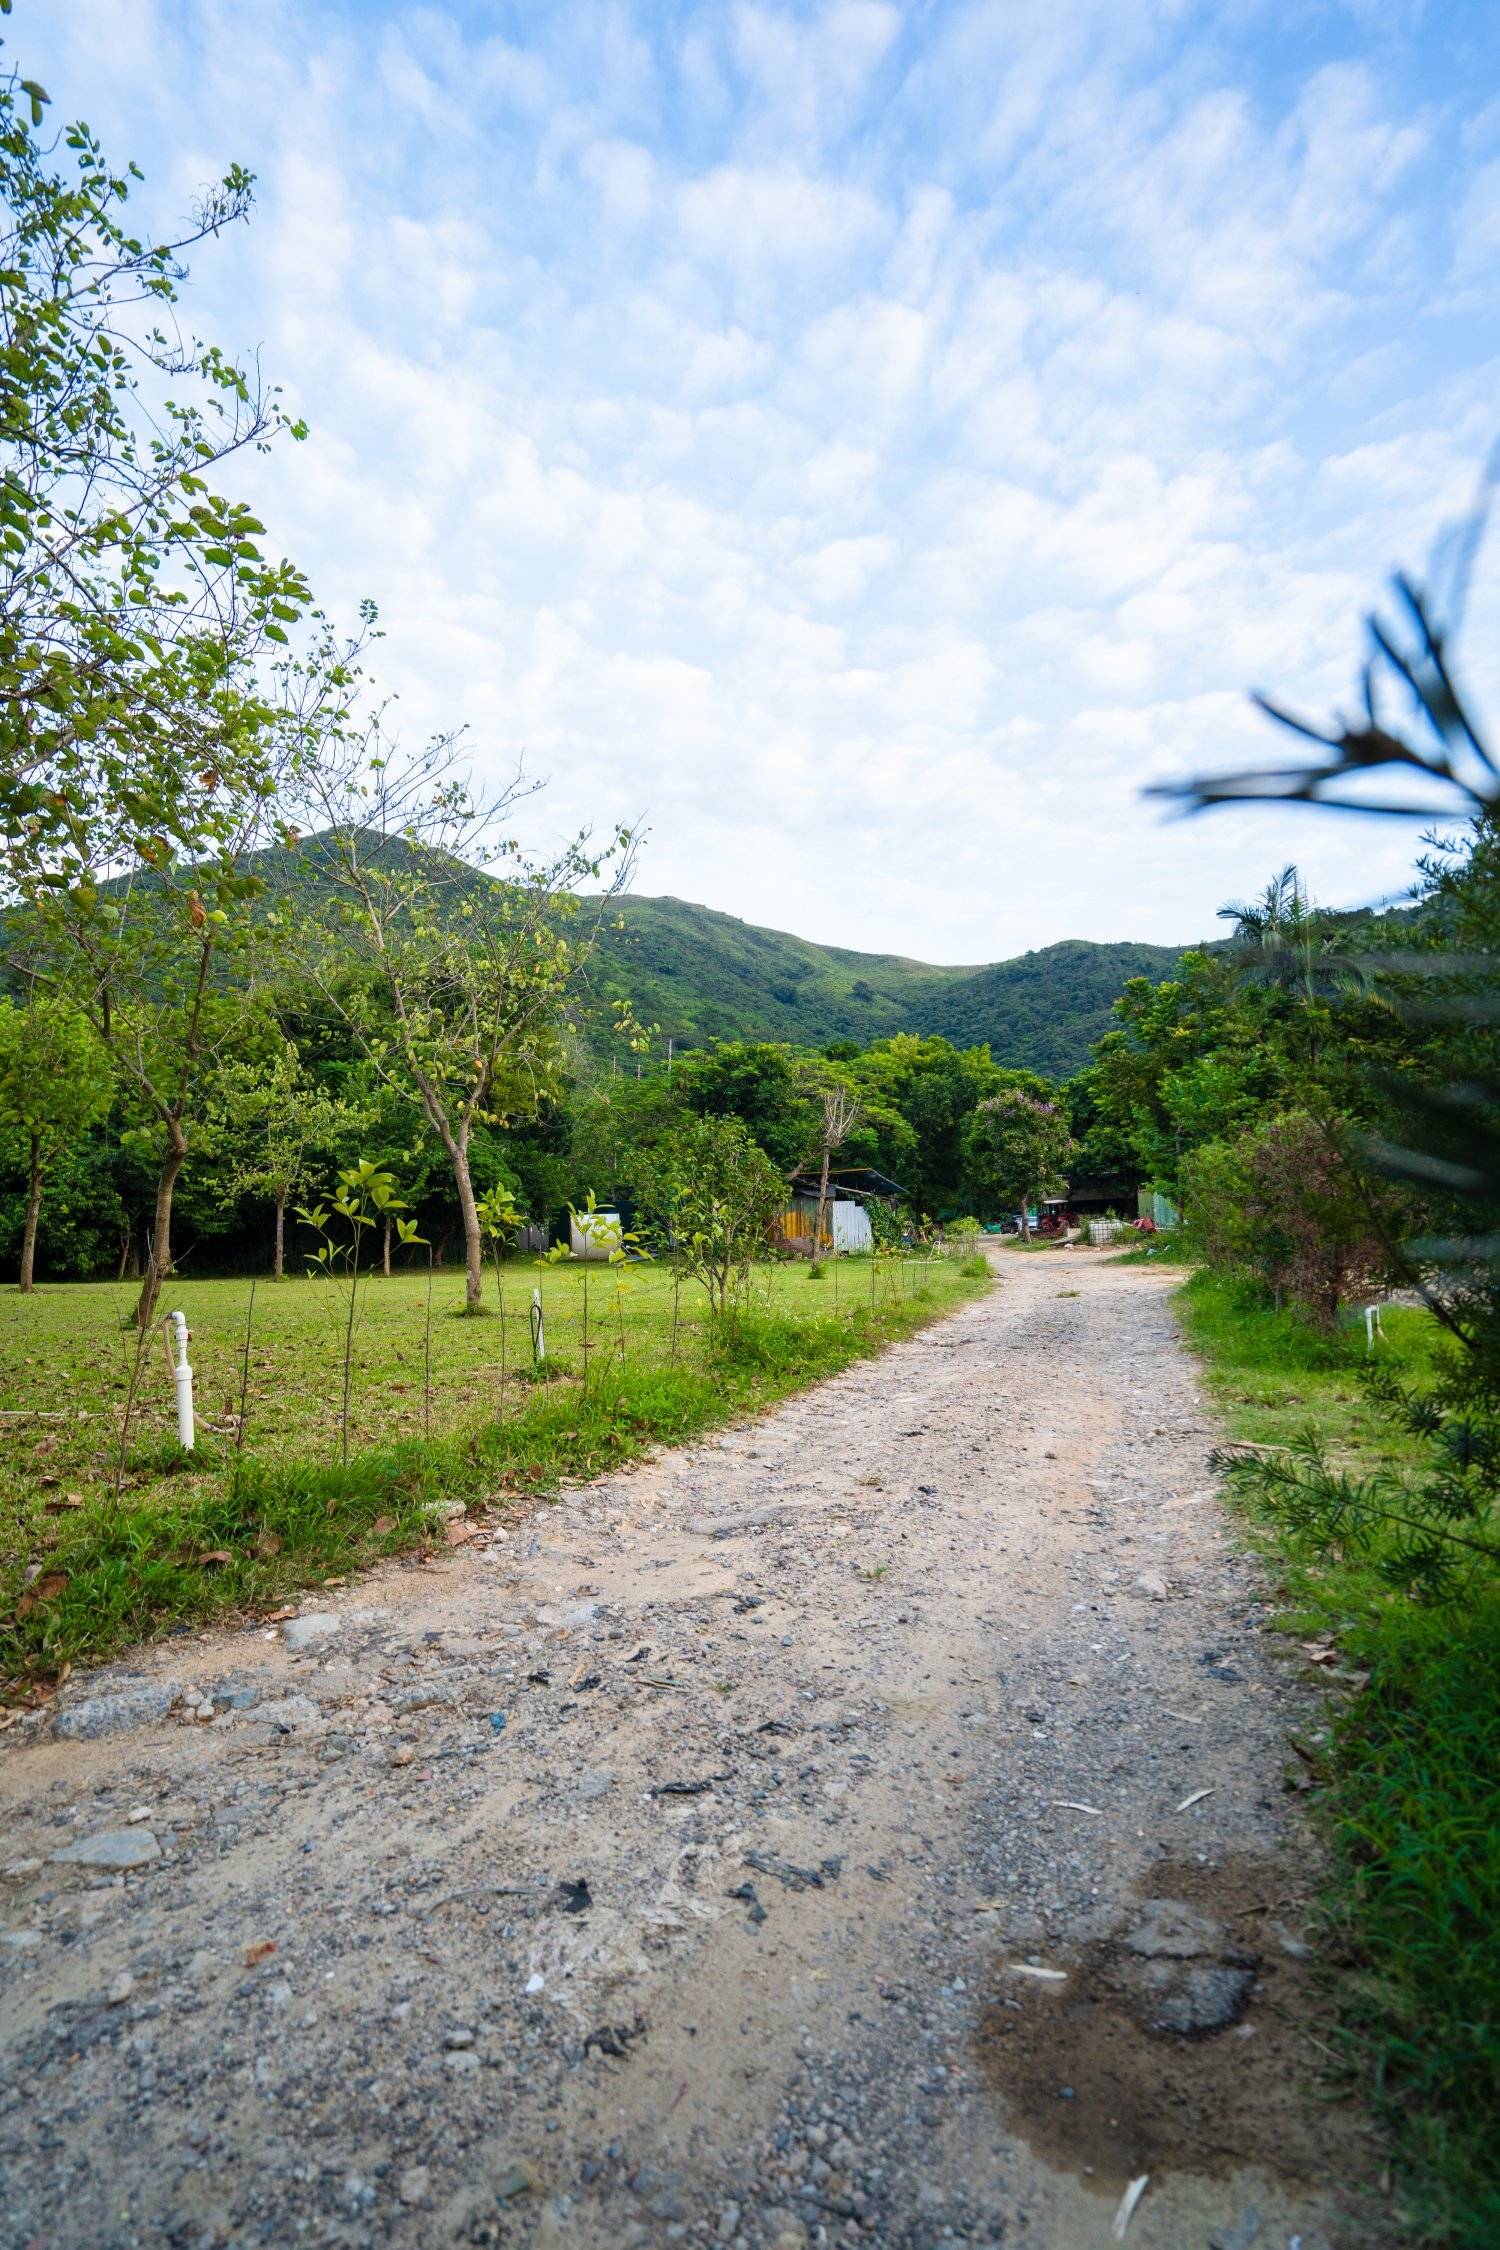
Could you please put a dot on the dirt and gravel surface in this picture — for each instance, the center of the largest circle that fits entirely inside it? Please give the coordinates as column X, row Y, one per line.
column 869, row 1825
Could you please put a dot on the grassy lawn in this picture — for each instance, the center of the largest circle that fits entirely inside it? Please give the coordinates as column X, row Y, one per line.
column 1408, row 1778
column 85, row 1568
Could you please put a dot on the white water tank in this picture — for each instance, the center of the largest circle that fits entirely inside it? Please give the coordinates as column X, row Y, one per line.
column 594, row 1235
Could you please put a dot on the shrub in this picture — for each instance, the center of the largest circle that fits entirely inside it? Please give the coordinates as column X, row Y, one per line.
column 1282, row 1205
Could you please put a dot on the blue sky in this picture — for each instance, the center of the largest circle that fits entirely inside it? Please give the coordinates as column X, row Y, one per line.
column 871, row 440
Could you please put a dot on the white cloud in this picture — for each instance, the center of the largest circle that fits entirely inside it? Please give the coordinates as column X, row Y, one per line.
column 840, row 571
column 941, row 415
column 751, row 219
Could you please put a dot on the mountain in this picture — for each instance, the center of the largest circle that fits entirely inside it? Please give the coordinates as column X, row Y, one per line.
column 703, row 975
column 700, row 975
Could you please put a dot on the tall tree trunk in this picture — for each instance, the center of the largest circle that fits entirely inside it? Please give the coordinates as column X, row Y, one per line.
column 1026, row 1214
column 126, row 1242
column 159, row 1264
column 33, row 1213
column 458, row 1156
column 278, row 1252
column 822, row 1202
column 385, row 1251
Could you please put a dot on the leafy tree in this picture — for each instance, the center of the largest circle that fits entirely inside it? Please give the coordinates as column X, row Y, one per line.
column 1147, row 1085
column 1018, row 1145
column 1284, row 942
column 167, row 974
column 935, row 1087
column 90, row 1194
column 713, row 1196
column 364, row 1196
column 276, row 1121
column 141, row 741
column 1440, row 1098
column 471, row 953
column 130, row 593
column 53, row 1086
column 617, row 1125
column 760, row 1083
column 1284, row 1204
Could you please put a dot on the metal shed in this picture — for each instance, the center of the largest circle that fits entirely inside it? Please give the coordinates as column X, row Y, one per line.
column 846, row 1220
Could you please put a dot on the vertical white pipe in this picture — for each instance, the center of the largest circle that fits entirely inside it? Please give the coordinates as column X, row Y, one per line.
column 182, row 1376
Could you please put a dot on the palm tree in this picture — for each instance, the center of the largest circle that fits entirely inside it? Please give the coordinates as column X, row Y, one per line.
column 1284, row 942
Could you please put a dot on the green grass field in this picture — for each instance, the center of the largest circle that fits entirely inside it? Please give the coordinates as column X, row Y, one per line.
column 1408, row 1782
column 250, row 1518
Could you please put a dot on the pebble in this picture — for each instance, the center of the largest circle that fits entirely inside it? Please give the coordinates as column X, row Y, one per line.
column 1203, row 1999
column 309, row 1631
column 514, row 2181
column 431, row 1692
column 121, row 1989
column 143, row 1704
column 403, row 1756
column 1171, row 1930
column 289, row 1714
column 1244, row 2232
column 415, row 2184
column 113, row 1847
column 1152, row 1585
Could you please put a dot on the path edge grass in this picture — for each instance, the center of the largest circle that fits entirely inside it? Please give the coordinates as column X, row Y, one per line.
column 1407, row 1782
column 270, row 1531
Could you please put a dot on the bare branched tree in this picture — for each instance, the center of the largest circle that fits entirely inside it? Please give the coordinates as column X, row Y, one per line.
column 453, row 955
column 840, row 1111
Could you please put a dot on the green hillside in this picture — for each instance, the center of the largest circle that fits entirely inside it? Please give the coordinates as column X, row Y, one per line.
column 704, row 975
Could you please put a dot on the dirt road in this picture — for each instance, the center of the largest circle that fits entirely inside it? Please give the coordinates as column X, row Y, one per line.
column 868, row 1826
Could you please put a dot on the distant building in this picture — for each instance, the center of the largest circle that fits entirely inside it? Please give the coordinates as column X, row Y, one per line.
column 846, row 1220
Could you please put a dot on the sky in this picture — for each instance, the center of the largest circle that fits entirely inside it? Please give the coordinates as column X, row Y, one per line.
column 867, row 442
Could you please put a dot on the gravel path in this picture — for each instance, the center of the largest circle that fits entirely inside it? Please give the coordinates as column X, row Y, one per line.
column 868, row 1826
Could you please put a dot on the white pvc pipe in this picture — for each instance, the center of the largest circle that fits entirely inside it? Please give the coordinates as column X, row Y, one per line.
column 182, row 1376
column 538, row 1332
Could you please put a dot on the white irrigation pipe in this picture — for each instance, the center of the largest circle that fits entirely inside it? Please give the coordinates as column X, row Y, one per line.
column 182, row 1376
